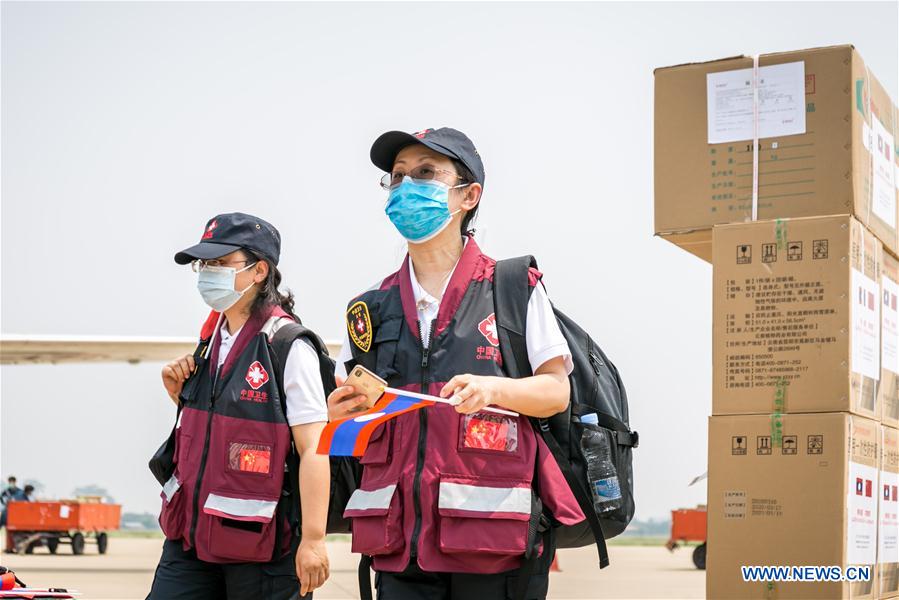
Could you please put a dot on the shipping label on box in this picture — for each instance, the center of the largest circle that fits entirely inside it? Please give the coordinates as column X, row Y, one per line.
column 883, row 201
column 861, row 493
column 781, row 103
column 889, row 333
column 888, row 520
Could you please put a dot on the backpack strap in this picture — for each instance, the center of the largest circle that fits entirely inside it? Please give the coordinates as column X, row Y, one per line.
column 281, row 343
column 510, row 304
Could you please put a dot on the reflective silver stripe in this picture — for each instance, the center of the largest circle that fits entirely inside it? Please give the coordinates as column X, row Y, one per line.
column 241, row 507
column 365, row 500
column 171, row 486
column 460, row 496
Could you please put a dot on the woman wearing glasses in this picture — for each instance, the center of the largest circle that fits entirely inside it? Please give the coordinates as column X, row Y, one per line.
column 229, row 509
column 448, row 492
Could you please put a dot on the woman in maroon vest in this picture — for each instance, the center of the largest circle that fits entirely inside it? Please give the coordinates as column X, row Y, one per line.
column 228, row 509
column 449, row 492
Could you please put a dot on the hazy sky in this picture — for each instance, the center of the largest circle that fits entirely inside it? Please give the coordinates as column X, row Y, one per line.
column 125, row 126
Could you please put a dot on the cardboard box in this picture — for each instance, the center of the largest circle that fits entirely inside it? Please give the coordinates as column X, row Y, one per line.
column 809, row 501
column 796, row 317
column 888, row 515
column 815, row 131
column 889, row 336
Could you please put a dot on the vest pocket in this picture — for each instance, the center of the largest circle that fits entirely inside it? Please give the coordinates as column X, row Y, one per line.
column 240, row 528
column 484, row 516
column 489, row 433
column 172, row 516
column 182, row 446
column 385, row 341
column 377, row 520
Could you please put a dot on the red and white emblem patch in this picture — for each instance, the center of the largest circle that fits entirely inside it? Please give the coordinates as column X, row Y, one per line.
column 488, row 328
column 256, row 375
column 208, row 233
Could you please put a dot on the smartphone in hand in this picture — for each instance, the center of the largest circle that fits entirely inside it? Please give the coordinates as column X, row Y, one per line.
column 366, row 382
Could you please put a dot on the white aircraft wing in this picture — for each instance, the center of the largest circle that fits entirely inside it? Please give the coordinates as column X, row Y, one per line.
column 42, row 349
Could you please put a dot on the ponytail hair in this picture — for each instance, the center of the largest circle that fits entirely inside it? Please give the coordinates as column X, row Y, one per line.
column 269, row 294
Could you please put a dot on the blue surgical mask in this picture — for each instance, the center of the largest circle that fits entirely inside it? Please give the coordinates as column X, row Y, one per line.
column 419, row 209
column 216, row 285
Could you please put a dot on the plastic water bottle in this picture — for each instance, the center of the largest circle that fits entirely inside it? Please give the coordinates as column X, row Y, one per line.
column 601, row 473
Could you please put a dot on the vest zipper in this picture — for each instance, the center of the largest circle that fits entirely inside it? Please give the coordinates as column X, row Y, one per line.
column 422, row 439
column 199, row 482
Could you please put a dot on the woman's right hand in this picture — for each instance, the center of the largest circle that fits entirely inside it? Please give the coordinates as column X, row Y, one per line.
column 344, row 401
column 176, row 373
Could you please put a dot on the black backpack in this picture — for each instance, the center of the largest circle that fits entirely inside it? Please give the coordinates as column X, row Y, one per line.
column 346, row 471
column 596, row 387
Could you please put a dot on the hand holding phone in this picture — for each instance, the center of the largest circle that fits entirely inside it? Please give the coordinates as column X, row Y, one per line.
column 367, row 383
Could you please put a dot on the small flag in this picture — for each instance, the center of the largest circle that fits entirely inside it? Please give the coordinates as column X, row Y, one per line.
column 868, row 487
column 349, row 436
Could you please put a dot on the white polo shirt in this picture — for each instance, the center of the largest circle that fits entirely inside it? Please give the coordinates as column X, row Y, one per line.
column 543, row 337
column 306, row 402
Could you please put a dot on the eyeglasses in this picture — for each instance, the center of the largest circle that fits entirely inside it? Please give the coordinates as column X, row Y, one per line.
column 423, row 172
column 200, row 264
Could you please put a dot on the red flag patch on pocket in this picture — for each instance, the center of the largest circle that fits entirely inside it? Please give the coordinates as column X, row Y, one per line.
column 487, row 431
column 250, row 458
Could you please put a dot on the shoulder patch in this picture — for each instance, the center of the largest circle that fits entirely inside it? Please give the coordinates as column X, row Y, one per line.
column 358, row 323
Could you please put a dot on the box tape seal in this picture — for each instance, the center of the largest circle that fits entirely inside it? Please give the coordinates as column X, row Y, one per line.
column 755, row 137
column 780, row 406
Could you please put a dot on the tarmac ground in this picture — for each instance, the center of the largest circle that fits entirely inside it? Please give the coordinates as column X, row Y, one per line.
column 126, row 571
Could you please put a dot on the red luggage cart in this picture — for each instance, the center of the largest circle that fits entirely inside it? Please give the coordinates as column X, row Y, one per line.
column 689, row 525
column 33, row 524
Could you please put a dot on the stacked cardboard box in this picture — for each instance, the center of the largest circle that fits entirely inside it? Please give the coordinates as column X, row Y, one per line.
column 824, row 123
column 808, row 501
column 805, row 319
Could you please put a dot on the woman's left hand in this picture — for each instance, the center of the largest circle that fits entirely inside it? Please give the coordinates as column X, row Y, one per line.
column 313, row 568
column 474, row 392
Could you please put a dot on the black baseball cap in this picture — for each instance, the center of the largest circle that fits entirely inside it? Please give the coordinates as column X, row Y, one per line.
column 227, row 233
column 446, row 141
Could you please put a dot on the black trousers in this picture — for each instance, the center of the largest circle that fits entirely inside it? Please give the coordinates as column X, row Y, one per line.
column 182, row 576
column 415, row 584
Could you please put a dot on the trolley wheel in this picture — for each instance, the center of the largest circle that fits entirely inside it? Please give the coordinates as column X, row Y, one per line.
column 78, row 543
column 699, row 556
column 29, row 549
column 102, row 542
column 52, row 544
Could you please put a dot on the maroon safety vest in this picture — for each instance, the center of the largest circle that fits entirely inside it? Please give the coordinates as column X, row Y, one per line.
column 230, row 451
column 455, row 492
